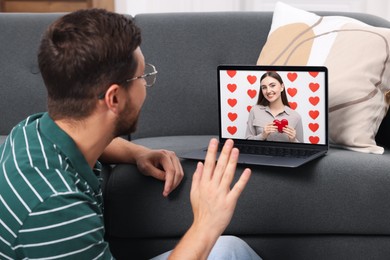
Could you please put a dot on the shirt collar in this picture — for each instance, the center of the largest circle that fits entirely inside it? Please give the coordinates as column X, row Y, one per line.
column 68, row 147
column 287, row 110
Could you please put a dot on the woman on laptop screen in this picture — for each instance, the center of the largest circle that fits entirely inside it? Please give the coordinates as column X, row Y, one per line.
column 272, row 118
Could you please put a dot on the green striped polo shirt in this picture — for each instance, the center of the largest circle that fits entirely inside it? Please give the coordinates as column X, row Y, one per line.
column 50, row 199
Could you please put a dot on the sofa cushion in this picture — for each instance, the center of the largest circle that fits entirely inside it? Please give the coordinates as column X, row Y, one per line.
column 20, row 80
column 186, row 49
column 304, row 200
column 358, row 58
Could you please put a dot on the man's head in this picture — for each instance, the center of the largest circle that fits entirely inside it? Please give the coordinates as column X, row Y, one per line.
column 81, row 55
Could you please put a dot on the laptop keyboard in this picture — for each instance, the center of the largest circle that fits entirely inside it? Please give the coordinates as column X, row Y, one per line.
column 276, row 151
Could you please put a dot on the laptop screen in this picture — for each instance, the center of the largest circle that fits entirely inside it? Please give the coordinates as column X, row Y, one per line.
column 295, row 110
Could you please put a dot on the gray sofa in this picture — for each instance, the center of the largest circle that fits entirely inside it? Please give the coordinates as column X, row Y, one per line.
column 337, row 207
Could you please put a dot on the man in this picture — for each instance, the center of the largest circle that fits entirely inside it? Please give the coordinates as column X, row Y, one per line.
column 50, row 198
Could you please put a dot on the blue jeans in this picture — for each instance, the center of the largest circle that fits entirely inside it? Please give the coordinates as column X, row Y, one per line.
column 226, row 247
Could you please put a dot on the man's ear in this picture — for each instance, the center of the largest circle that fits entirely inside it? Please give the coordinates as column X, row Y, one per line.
column 112, row 98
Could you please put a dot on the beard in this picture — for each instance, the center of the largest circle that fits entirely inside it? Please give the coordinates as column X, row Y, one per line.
column 127, row 121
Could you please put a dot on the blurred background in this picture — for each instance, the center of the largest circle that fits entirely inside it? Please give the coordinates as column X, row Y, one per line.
column 377, row 7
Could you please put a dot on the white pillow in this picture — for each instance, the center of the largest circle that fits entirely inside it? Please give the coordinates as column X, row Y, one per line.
column 357, row 57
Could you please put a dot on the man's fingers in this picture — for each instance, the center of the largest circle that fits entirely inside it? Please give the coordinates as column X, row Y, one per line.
column 230, row 169
column 240, row 184
column 210, row 159
column 173, row 172
column 223, row 160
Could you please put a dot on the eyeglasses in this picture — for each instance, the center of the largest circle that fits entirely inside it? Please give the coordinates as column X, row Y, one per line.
column 150, row 75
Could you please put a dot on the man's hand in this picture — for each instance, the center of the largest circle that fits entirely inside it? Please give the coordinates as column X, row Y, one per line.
column 213, row 201
column 163, row 165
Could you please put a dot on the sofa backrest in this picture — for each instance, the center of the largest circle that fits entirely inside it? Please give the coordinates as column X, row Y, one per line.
column 185, row 48
column 21, row 87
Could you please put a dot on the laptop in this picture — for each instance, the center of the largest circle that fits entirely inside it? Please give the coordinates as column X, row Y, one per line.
column 243, row 119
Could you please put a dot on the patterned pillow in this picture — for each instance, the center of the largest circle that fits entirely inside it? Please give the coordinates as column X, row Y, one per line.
column 358, row 59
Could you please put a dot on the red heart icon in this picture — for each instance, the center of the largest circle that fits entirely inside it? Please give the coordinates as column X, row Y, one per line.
column 232, row 87
column 313, row 73
column 314, row 126
column 232, row 129
column 280, row 124
column 292, row 91
column 249, row 108
column 252, row 93
column 292, row 76
column 314, row 139
column 232, row 102
column 251, row 79
column 314, row 86
column 293, row 105
column 231, row 73
column 314, row 113
column 232, row 116
column 314, row 100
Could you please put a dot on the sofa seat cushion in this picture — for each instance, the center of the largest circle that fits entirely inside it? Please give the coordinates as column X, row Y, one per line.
column 178, row 144
column 344, row 192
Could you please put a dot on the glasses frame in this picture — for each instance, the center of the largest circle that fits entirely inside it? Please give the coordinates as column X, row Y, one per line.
column 144, row 76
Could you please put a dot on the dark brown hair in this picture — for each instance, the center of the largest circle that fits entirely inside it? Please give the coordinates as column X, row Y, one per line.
column 262, row 100
column 81, row 55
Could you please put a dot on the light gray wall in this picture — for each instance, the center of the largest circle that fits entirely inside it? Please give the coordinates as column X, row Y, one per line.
column 377, row 7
